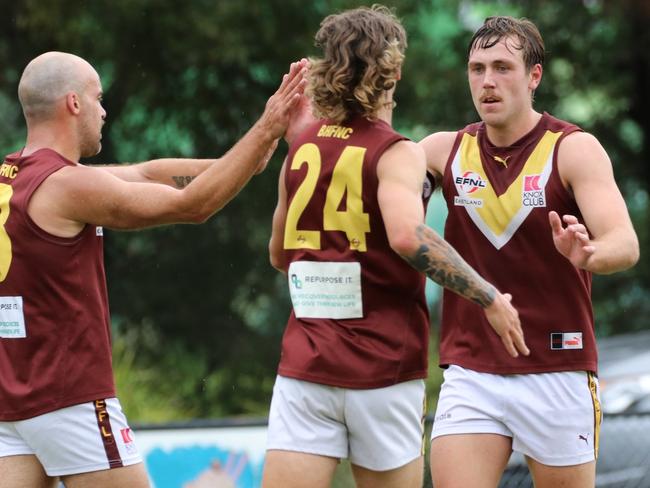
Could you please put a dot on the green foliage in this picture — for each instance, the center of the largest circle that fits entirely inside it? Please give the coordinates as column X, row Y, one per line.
column 198, row 311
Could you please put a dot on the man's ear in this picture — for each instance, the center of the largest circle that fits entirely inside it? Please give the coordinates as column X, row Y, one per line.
column 72, row 103
column 535, row 76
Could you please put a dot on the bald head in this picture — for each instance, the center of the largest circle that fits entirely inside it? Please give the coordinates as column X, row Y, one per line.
column 48, row 78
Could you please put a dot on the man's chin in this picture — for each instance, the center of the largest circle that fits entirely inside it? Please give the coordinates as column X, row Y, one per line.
column 90, row 152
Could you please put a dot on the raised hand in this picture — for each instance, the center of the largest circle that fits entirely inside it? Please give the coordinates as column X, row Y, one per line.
column 280, row 106
column 571, row 241
column 504, row 319
column 301, row 117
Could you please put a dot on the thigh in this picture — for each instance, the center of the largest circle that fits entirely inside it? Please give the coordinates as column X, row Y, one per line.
column 308, row 418
column 134, row 476
column 386, row 425
column 408, row 476
column 24, row 470
column 462, row 460
column 578, row 476
column 82, row 438
column 470, row 402
column 289, row 469
column 555, row 417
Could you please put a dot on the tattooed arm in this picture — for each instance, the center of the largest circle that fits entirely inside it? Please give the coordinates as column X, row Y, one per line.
column 401, row 173
column 439, row 261
column 175, row 172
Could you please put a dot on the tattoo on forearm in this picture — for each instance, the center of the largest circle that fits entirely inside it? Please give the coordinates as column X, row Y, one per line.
column 182, row 181
column 440, row 262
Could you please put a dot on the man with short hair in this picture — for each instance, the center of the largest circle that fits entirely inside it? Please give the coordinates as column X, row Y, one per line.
column 59, row 415
column 534, row 208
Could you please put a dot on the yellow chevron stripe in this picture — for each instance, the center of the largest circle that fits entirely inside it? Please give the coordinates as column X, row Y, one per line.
column 498, row 211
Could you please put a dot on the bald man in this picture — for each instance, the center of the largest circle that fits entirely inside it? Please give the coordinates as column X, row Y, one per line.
column 59, row 415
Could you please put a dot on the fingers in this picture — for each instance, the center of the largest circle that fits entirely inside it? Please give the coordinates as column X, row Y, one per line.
column 554, row 220
column 520, row 344
column 570, row 219
column 296, row 75
column 509, row 346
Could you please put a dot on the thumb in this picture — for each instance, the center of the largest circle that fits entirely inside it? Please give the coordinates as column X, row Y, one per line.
column 507, row 296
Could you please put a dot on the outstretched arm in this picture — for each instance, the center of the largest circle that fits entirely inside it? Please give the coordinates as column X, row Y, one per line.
column 175, row 172
column 401, row 173
column 606, row 242
column 76, row 195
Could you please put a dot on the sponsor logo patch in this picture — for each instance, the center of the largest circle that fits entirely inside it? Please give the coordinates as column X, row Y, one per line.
column 566, row 340
column 469, row 182
column 99, row 231
column 533, row 194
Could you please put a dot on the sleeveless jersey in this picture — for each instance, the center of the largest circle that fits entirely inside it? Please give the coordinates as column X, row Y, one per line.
column 498, row 200
column 54, row 323
column 359, row 317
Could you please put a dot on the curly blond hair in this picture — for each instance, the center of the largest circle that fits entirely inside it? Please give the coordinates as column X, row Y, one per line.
column 363, row 51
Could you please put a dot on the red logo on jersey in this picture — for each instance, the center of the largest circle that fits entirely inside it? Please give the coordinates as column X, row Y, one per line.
column 531, row 183
column 126, row 435
column 470, row 182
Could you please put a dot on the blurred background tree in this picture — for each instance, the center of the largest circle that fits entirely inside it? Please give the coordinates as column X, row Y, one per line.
column 198, row 312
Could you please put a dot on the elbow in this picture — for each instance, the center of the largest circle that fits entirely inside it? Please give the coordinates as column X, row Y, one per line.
column 277, row 259
column 404, row 243
column 196, row 215
column 633, row 256
column 278, row 263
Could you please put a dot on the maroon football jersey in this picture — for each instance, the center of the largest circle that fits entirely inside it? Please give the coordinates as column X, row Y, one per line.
column 498, row 200
column 359, row 317
column 54, row 323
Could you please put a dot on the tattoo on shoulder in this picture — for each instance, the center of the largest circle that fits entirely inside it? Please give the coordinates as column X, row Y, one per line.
column 182, row 181
column 439, row 261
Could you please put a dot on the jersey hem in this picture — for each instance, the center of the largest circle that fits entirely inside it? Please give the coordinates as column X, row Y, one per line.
column 14, row 416
column 362, row 385
column 528, row 369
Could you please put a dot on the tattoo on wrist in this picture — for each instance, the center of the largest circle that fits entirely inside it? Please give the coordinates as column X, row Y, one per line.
column 439, row 261
column 182, row 181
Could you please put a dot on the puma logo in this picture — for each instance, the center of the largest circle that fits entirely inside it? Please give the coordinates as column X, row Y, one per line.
column 584, row 438
column 503, row 161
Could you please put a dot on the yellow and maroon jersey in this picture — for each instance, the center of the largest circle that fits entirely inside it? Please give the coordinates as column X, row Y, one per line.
column 54, row 325
column 498, row 200
column 359, row 317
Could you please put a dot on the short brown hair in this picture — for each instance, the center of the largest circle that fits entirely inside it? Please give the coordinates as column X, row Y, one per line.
column 363, row 51
column 494, row 29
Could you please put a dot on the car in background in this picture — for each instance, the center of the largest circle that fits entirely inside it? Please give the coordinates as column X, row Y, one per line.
column 624, row 454
column 624, row 373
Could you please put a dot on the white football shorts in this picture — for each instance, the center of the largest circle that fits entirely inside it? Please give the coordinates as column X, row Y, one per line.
column 378, row 429
column 553, row 418
column 78, row 439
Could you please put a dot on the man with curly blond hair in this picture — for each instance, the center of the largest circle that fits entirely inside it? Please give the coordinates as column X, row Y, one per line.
column 349, row 233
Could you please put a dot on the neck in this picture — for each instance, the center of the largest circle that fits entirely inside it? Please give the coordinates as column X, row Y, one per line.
column 511, row 132
column 51, row 136
column 385, row 113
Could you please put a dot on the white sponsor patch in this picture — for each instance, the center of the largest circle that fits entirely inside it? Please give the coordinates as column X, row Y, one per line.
column 533, row 194
column 12, row 320
column 566, row 340
column 99, row 231
column 468, row 202
column 329, row 290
